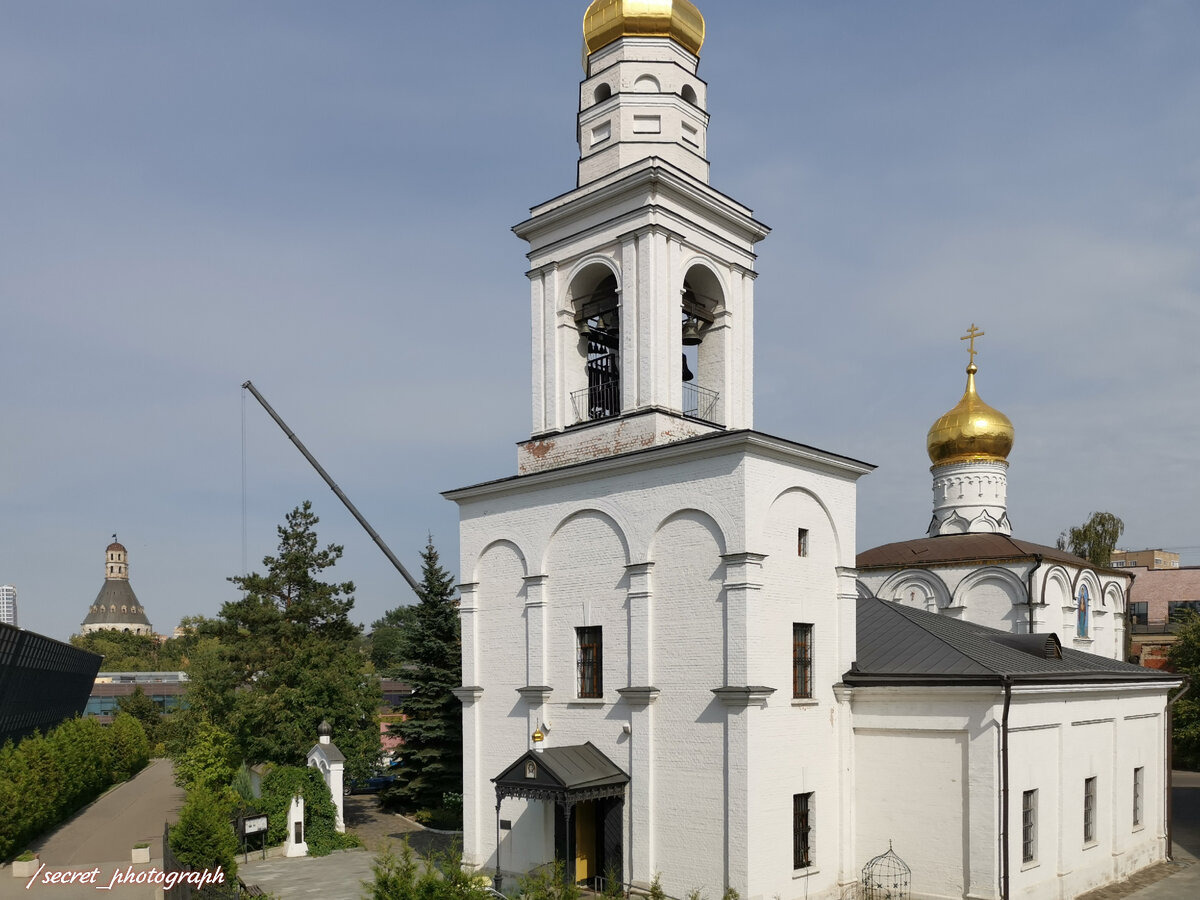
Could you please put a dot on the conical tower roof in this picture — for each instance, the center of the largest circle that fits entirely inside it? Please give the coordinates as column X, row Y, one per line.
column 116, row 606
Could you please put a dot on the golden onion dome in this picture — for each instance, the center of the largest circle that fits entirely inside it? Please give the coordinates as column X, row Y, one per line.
column 970, row 431
column 609, row 20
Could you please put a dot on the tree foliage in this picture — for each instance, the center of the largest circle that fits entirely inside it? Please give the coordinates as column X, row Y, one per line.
column 431, row 655
column 550, row 882
column 1184, row 657
column 130, row 745
column 208, row 760
column 143, row 709
column 388, row 637
column 284, row 656
column 124, row 651
column 402, row 877
column 203, row 837
column 45, row 778
column 1095, row 539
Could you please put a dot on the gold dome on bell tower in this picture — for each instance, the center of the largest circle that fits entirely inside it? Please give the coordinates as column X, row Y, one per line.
column 972, row 430
column 609, row 20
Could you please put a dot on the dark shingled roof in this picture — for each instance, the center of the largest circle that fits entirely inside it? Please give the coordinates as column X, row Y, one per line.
column 116, row 592
column 903, row 645
column 948, row 549
column 570, row 768
column 332, row 753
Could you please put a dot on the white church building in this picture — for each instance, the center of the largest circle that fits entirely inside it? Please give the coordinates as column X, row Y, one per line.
column 667, row 664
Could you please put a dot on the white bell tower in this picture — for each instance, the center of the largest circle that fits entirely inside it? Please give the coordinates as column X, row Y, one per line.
column 642, row 278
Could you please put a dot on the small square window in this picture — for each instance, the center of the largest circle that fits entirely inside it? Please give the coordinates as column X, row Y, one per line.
column 802, row 542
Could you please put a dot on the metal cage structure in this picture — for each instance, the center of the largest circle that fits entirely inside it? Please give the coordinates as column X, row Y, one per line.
column 886, row 877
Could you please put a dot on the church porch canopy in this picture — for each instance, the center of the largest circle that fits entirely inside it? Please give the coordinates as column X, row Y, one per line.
column 564, row 775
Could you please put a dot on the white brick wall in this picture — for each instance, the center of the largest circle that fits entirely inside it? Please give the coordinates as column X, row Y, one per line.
column 927, row 778
column 651, row 548
column 997, row 594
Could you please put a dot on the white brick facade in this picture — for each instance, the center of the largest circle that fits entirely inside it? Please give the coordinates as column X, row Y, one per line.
column 687, row 557
column 929, row 763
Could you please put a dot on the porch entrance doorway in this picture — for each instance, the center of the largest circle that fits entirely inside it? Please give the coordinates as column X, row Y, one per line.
column 586, row 791
column 586, row 858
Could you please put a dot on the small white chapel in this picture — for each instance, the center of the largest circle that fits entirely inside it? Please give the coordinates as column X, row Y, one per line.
column 670, row 665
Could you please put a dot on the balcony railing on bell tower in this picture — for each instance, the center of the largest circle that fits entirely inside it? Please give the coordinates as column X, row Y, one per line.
column 699, row 402
column 603, row 401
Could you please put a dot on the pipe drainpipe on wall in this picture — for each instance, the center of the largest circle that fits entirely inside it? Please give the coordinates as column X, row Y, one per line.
column 1187, row 686
column 1006, row 680
column 1029, row 591
column 1129, row 618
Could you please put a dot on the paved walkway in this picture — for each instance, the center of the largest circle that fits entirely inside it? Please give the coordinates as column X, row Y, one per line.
column 340, row 875
column 99, row 838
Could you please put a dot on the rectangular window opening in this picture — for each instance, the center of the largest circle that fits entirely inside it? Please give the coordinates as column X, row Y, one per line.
column 802, row 542
column 1138, row 792
column 1029, row 826
column 802, row 836
column 1089, row 810
column 591, row 661
column 802, row 657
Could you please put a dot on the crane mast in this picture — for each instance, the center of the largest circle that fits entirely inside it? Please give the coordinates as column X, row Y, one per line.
column 412, row 582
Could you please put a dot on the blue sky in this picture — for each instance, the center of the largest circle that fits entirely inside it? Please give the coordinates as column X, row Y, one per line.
column 318, row 197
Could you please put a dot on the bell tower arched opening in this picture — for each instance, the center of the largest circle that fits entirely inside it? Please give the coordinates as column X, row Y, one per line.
column 595, row 384
column 704, row 338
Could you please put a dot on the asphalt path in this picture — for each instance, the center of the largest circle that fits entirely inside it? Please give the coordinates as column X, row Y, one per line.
column 96, row 843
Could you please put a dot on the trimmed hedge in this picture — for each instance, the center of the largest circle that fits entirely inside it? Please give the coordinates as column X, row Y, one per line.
column 46, row 778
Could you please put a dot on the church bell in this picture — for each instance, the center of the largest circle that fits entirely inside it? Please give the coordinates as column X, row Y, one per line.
column 691, row 332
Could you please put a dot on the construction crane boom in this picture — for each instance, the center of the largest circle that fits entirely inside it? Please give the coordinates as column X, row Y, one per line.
column 412, row 582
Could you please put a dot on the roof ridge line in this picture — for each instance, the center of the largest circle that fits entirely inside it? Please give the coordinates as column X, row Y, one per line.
column 902, row 610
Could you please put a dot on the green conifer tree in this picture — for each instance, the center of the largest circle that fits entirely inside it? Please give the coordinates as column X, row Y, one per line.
column 432, row 728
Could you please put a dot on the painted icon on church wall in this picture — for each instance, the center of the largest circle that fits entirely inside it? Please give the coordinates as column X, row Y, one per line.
column 1081, row 613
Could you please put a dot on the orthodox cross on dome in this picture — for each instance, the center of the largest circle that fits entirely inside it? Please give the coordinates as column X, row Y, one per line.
column 971, row 334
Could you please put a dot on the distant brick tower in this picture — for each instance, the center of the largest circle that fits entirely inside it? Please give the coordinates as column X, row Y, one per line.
column 116, row 607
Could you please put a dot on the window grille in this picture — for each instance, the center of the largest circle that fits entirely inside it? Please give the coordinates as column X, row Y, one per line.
column 1089, row 810
column 1029, row 826
column 802, row 844
column 1138, row 786
column 591, row 654
column 802, row 660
